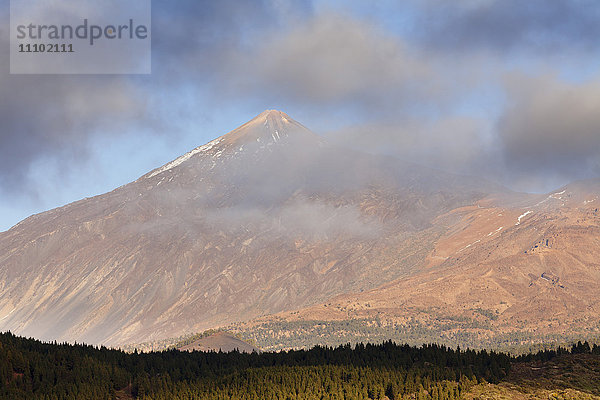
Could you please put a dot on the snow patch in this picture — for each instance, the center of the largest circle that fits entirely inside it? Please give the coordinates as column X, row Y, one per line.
column 522, row 216
column 496, row 231
column 556, row 196
column 185, row 157
column 469, row 245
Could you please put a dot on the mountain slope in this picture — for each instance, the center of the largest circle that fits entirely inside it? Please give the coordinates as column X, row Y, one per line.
column 264, row 219
column 508, row 270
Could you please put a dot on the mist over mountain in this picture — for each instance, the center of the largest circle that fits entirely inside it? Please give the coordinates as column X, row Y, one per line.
column 272, row 221
column 509, row 271
column 266, row 218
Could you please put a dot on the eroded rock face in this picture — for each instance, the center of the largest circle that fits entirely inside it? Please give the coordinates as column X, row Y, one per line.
column 264, row 219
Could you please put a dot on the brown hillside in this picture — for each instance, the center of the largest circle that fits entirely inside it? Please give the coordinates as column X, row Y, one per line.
column 528, row 265
column 265, row 219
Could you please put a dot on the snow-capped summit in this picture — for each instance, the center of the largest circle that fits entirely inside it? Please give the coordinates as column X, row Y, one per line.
column 266, row 129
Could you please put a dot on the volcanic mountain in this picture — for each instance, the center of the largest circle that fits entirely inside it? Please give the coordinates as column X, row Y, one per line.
column 508, row 271
column 265, row 219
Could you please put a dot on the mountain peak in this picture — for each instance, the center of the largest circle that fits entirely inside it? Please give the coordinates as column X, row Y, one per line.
column 275, row 119
column 268, row 127
column 273, row 114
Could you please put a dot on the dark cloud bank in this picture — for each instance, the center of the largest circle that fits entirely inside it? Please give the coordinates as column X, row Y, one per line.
column 408, row 96
column 511, row 25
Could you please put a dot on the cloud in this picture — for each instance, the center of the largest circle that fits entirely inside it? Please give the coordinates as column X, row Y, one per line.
column 507, row 25
column 46, row 118
column 331, row 60
column 402, row 87
column 453, row 143
column 54, row 118
column 194, row 40
column 309, row 219
column 551, row 127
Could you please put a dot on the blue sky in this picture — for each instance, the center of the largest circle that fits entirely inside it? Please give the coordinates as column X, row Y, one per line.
column 501, row 88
